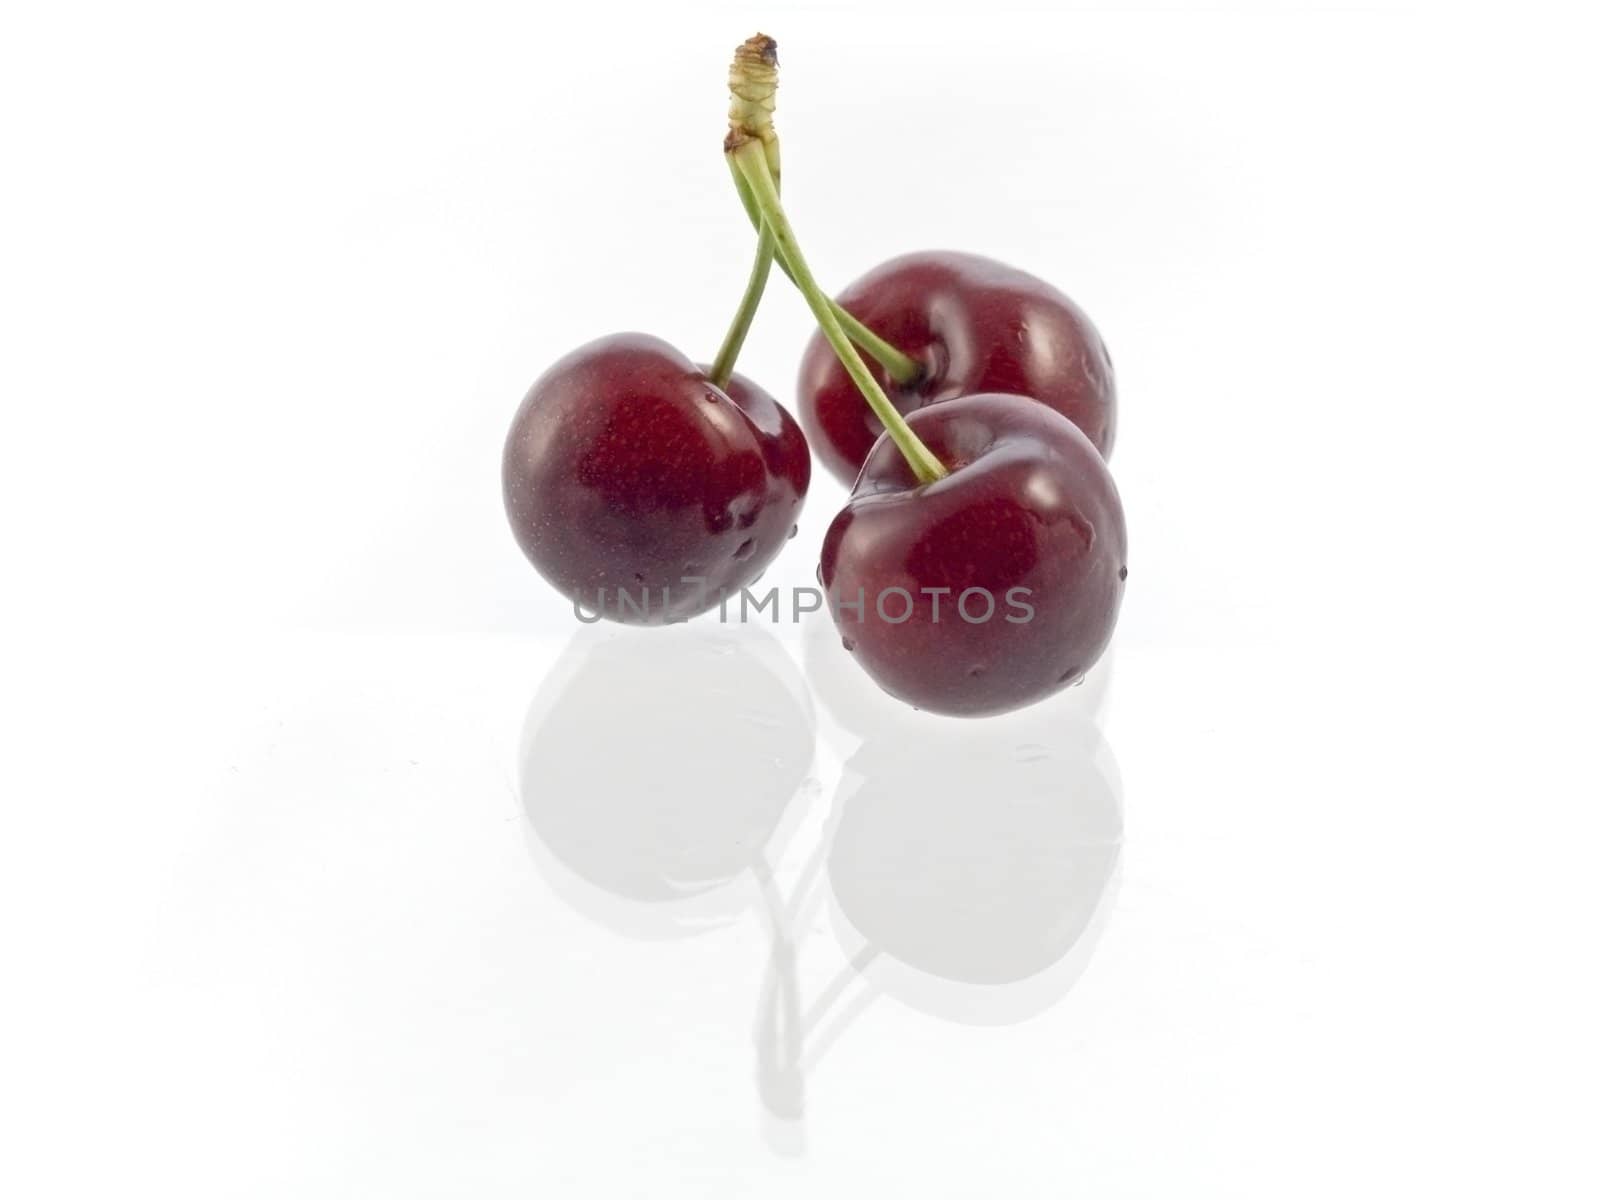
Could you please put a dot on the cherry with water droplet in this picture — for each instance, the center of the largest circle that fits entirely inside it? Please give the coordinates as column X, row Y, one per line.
column 969, row 324
column 994, row 586
column 642, row 490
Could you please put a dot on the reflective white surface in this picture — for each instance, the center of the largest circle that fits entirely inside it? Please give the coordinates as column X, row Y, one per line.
column 339, row 861
column 393, row 920
column 966, row 875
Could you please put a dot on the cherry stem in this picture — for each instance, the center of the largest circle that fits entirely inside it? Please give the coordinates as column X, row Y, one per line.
column 733, row 342
column 897, row 364
column 751, row 159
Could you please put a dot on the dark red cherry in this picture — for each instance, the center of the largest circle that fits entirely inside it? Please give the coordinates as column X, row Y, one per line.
column 628, row 472
column 990, row 588
column 975, row 325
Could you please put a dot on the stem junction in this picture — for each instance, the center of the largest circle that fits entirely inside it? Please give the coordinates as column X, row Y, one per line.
column 750, row 159
column 753, row 88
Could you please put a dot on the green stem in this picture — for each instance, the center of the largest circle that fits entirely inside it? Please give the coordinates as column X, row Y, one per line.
column 722, row 368
column 897, row 364
column 752, row 164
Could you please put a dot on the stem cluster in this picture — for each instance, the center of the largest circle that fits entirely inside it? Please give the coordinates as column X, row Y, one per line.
column 752, row 152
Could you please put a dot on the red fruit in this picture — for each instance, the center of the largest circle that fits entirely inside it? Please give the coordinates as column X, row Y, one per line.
column 1026, row 532
column 627, row 471
column 976, row 325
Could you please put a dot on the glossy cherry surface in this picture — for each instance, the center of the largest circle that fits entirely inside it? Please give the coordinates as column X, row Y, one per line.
column 1027, row 526
column 975, row 325
column 627, row 471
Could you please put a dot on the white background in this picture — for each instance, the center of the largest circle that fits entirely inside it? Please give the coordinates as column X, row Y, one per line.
column 276, row 918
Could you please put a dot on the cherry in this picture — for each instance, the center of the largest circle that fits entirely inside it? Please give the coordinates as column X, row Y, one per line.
column 627, row 471
column 969, row 324
column 994, row 586
column 646, row 488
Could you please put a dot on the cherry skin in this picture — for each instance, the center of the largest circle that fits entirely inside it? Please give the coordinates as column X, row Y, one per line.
column 626, row 469
column 975, row 325
column 1028, row 517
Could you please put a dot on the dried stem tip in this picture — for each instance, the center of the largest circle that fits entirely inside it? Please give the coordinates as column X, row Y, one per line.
column 753, row 80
